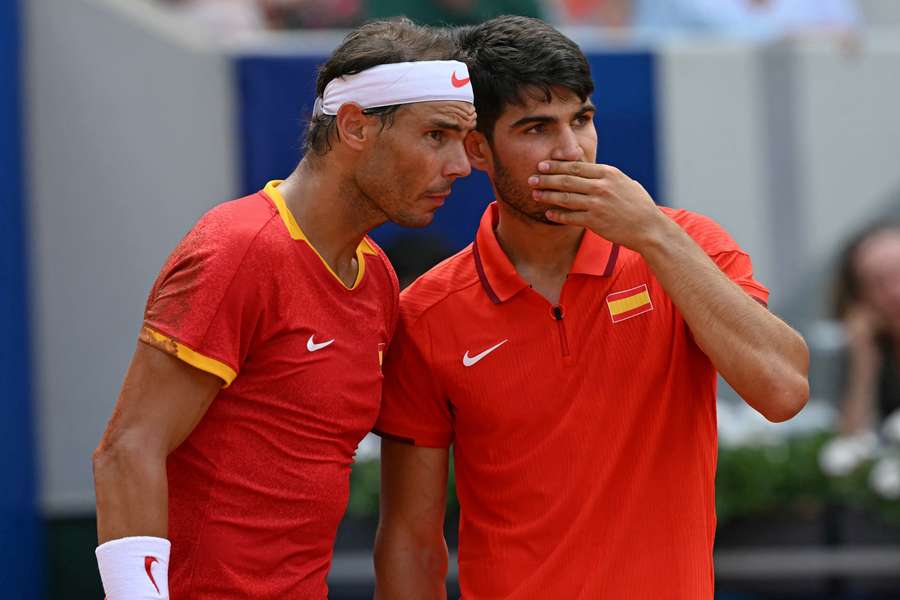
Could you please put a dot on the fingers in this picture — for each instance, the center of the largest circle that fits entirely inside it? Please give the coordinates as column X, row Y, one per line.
column 569, row 200
column 568, row 183
column 568, row 217
column 569, row 176
column 577, row 168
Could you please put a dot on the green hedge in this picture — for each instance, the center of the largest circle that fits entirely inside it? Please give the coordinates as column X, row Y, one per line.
column 751, row 481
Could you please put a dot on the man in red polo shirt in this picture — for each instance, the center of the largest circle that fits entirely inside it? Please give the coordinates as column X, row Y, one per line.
column 569, row 356
column 258, row 369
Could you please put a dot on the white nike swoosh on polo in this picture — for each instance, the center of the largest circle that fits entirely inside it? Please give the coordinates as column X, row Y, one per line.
column 312, row 346
column 471, row 360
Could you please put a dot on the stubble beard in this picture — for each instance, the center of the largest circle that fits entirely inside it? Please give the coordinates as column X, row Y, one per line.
column 385, row 195
column 516, row 196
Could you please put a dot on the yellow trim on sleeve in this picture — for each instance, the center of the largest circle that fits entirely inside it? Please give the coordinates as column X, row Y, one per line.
column 271, row 190
column 617, row 307
column 191, row 357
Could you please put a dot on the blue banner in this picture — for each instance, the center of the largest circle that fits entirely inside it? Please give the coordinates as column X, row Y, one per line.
column 276, row 95
column 19, row 524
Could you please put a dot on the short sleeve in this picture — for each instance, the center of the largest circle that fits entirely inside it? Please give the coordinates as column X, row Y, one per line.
column 414, row 408
column 724, row 251
column 205, row 303
column 739, row 268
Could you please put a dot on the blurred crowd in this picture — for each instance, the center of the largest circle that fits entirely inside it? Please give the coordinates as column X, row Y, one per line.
column 754, row 19
column 868, row 304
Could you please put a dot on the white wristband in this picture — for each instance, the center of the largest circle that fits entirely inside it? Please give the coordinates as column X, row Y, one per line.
column 135, row 568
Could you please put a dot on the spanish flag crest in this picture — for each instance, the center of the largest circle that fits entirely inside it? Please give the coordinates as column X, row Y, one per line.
column 629, row 303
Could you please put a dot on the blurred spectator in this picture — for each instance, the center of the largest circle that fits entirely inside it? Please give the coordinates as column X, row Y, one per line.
column 599, row 13
column 231, row 17
column 452, row 12
column 313, row 14
column 222, row 17
column 868, row 303
column 755, row 19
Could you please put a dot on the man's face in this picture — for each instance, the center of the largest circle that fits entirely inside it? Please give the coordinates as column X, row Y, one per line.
column 562, row 129
column 408, row 172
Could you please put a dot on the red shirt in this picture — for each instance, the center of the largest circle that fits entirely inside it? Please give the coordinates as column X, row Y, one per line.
column 584, row 435
column 257, row 490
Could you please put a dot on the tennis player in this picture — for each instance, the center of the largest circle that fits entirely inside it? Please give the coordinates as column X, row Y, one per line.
column 223, row 472
column 569, row 356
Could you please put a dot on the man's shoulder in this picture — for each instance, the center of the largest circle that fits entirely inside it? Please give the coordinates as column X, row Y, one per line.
column 706, row 232
column 240, row 218
column 225, row 233
column 439, row 284
column 235, row 220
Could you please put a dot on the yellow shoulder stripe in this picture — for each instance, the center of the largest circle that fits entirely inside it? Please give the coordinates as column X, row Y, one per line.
column 191, row 357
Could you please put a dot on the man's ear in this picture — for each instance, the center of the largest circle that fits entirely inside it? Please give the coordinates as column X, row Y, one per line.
column 478, row 151
column 352, row 125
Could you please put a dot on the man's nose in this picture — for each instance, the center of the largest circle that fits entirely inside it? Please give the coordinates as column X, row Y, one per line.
column 567, row 147
column 457, row 164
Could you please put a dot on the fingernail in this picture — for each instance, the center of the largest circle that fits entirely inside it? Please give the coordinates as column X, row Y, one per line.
column 533, row 180
column 543, row 166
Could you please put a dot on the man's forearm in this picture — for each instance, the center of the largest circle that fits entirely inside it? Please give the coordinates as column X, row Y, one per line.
column 405, row 568
column 759, row 355
column 132, row 494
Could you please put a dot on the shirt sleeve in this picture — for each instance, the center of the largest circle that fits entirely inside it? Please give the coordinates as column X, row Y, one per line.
column 724, row 251
column 205, row 303
column 739, row 268
column 414, row 409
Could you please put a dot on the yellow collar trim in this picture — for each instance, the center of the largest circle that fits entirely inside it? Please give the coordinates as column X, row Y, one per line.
column 271, row 190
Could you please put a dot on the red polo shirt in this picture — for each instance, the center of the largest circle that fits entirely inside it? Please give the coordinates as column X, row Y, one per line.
column 258, row 488
column 584, row 434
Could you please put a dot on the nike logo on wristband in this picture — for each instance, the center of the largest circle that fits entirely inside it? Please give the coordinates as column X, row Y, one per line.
column 458, row 83
column 149, row 560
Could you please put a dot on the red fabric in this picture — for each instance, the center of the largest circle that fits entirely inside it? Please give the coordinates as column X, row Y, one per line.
column 257, row 490
column 585, row 450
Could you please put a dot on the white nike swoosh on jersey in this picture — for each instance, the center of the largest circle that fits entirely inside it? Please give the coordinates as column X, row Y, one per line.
column 312, row 346
column 471, row 360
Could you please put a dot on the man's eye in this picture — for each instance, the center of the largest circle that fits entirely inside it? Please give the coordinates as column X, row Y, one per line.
column 583, row 120
column 540, row 128
column 436, row 136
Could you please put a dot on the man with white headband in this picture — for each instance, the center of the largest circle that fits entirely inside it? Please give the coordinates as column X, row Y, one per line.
column 224, row 470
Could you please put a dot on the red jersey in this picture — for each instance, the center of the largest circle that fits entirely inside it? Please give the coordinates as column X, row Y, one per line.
column 584, row 434
column 257, row 490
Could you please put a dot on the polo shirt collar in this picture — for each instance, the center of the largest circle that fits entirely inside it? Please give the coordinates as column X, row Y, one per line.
column 596, row 257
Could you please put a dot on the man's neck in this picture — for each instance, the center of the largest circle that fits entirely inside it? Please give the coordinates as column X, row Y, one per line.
column 541, row 253
column 332, row 213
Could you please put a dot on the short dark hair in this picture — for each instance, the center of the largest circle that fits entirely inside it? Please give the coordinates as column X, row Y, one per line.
column 375, row 43
column 510, row 57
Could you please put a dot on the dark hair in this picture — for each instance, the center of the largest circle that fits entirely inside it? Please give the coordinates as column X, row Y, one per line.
column 375, row 43
column 847, row 286
column 510, row 57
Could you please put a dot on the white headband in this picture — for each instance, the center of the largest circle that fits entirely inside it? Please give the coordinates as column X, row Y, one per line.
column 398, row 83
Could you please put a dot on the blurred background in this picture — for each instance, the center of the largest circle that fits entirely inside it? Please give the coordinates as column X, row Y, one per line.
column 122, row 121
